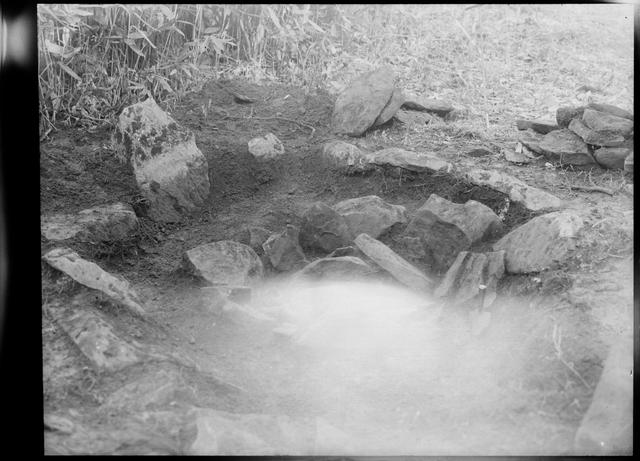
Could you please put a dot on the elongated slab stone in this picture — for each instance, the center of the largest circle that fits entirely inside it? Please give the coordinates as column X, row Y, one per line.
column 531, row 197
column 346, row 157
column 93, row 276
column 409, row 160
column 102, row 223
column 336, row 268
column 596, row 138
column 566, row 147
column 436, row 106
column 390, row 261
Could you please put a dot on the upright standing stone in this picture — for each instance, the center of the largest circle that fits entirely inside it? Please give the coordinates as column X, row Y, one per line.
column 359, row 105
column 397, row 99
column 170, row 170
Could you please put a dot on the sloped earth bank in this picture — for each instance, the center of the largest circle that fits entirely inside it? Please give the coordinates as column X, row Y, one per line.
column 380, row 372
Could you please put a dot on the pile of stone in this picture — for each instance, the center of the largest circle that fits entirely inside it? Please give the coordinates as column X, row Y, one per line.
column 372, row 100
column 595, row 134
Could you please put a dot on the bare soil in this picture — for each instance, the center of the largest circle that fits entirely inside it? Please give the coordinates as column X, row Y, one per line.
column 512, row 391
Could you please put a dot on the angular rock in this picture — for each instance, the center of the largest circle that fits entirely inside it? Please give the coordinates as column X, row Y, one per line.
column 566, row 147
column 336, row 268
column 346, row 157
column 443, row 229
column 370, row 214
column 397, row 99
column 436, row 106
column 106, row 223
column 170, row 170
column 409, row 160
column 224, row 263
column 532, row 198
column 473, row 276
column 628, row 163
column 477, row 152
column 540, row 243
column 607, row 427
column 244, row 315
column 283, row 250
column 96, row 339
column 223, row 433
column 395, row 265
column 612, row 157
column 564, row 115
column 596, row 138
column 539, row 126
column 610, row 109
column 359, row 105
column 267, row 147
column 91, row 275
column 601, row 121
column 324, row 229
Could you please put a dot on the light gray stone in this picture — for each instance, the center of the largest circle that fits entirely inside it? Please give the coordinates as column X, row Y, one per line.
column 610, row 109
column 224, row 263
column 394, row 264
column 532, row 198
column 267, row 147
column 539, row 126
column 397, row 99
column 566, row 147
column 359, row 105
column 170, row 170
column 409, row 160
column 336, row 268
column 106, row 223
column 93, row 276
column 419, row 103
column 346, row 157
column 541, row 243
column 596, row 138
column 370, row 214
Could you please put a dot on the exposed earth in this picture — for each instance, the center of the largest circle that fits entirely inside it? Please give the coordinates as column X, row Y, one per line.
column 516, row 389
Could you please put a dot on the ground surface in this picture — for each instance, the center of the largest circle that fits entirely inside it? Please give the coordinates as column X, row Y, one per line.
column 510, row 391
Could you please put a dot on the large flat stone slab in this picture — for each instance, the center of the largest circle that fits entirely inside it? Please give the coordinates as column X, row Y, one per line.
column 93, row 276
column 409, row 160
column 531, row 197
column 566, row 147
column 419, row 103
column 224, row 263
column 107, row 223
column 370, row 214
column 596, row 138
column 541, row 243
column 171, row 172
column 359, row 105
column 393, row 263
column 602, row 121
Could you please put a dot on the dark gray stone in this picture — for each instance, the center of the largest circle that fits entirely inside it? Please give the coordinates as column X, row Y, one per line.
column 612, row 157
column 370, row 214
column 564, row 115
column 539, row 126
column 610, row 109
column 435, row 106
column 409, row 160
column 601, row 121
column 283, row 250
column 324, row 229
column 596, row 138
